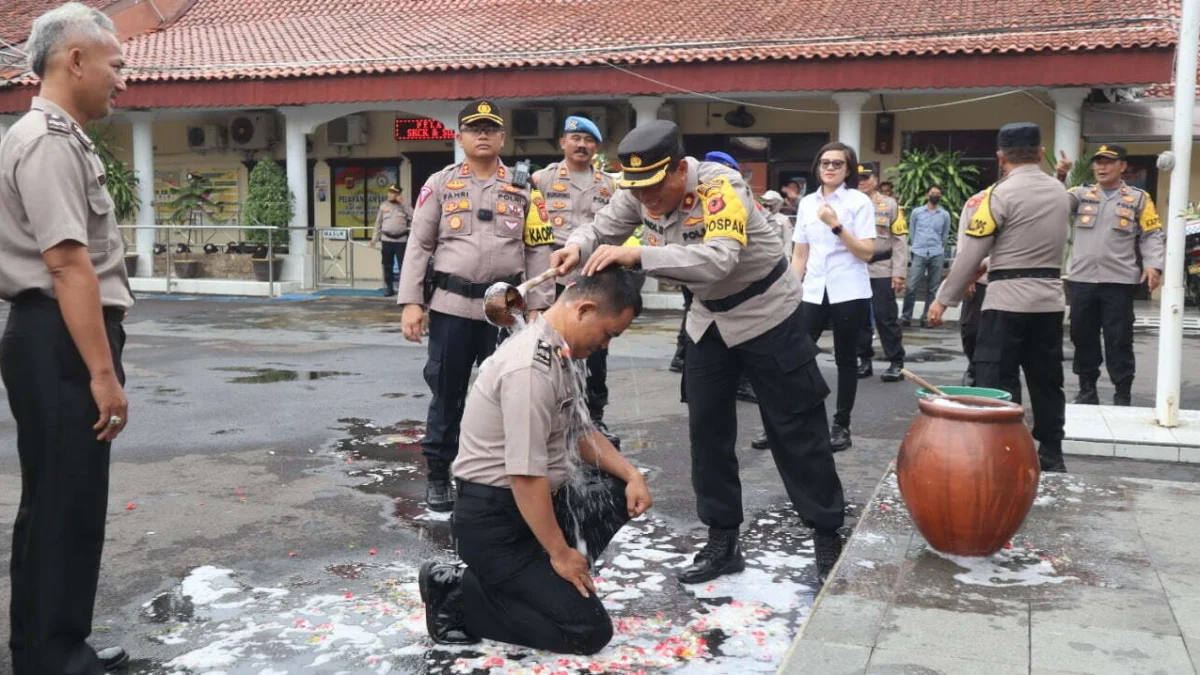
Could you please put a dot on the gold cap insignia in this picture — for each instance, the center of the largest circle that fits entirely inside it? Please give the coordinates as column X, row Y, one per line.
column 635, row 161
column 1103, row 148
column 484, row 108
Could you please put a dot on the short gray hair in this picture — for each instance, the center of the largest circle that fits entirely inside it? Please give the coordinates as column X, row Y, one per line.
column 50, row 30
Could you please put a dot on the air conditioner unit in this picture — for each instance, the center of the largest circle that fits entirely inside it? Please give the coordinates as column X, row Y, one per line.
column 597, row 114
column 255, row 131
column 350, row 130
column 205, row 137
column 533, row 124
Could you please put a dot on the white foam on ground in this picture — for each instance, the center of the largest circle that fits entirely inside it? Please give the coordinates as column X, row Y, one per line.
column 207, row 584
column 753, row 586
column 1008, row 567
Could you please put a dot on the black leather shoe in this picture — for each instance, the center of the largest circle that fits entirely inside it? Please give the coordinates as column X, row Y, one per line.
column 892, row 374
column 828, row 548
column 839, row 438
column 113, row 658
column 1122, row 398
column 968, row 378
column 677, row 362
column 745, row 392
column 721, row 555
column 761, row 442
column 1050, row 457
column 603, row 429
column 865, row 370
column 441, row 591
column 389, row 292
column 906, row 323
column 439, row 495
column 1087, row 394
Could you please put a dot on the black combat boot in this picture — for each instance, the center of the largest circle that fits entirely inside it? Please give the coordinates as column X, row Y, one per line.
column 893, row 374
column 1050, row 456
column 1087, row 392
column 828, row 546
column 441, row 591
column 745, row 392
column 839, row 438
column 439, row 493
column 1123, row 395
column 865, row 369
column 721, row 555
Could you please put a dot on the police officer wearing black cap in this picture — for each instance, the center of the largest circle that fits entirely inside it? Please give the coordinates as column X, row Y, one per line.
column 704, row 230
column 1119, row 245
column 484, row 228
column 1020, row 223
column 391, row 229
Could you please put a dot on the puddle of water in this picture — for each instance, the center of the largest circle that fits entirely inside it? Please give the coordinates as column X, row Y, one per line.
column 273, row 375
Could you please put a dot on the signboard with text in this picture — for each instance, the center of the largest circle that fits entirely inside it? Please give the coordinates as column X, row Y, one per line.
column 422, row 129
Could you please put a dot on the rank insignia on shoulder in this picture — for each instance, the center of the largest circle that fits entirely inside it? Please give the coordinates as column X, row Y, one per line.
column 57, row 124
column 544, row 353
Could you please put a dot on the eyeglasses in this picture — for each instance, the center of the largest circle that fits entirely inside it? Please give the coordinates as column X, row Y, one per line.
column 482, row 131
column 832, row 163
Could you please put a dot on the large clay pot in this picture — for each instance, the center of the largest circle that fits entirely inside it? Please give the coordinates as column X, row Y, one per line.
column 968, row 474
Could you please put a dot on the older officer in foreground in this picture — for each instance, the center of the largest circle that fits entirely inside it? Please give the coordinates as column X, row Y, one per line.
column 1020, row 222
column 483, row 228
column 1119, row 245
column 62, row 267
column 703, row 229
column 574, row 192
column 528, row 528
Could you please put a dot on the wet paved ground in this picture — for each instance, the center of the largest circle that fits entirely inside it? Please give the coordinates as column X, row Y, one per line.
column 265, row 511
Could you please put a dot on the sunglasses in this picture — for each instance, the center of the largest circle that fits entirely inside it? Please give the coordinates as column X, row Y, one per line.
column 832, row 163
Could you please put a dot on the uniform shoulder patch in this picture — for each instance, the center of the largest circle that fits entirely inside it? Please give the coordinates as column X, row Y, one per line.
column 724, row 213
column 900, row 224
column 975, row 200
column 57, row 124
column 982, row 223
column 538, row 230
column 543, row 354
column 1148, row 219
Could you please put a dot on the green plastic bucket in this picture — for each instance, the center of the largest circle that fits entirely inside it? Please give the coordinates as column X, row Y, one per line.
column 982, row 392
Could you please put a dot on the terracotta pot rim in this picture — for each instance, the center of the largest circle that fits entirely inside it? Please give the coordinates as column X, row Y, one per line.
column 991, row 410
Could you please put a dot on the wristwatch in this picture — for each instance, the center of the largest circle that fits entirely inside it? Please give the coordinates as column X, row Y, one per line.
column 837, row 230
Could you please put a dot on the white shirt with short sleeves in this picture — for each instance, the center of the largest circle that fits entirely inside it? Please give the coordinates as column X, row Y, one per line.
column 833, row 268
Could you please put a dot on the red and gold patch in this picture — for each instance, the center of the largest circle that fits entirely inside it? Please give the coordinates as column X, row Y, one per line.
column 558, row 187
column 455, row 185
column 559, row 221
column 558, row 206
column 716, row 204
column 689, row 201
column 456, row 222
column 501, row 207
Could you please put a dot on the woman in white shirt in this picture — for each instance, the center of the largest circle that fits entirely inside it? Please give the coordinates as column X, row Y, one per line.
column 834, row 229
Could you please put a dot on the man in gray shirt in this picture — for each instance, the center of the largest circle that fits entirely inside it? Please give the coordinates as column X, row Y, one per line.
column 930, row 226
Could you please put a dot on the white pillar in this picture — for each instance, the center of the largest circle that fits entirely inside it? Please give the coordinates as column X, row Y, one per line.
column 143, row 167
column 1068, row 120
column 298, row 266
column 1170, row 334
column 450, row 121
column 850, row 108
column 646, row 108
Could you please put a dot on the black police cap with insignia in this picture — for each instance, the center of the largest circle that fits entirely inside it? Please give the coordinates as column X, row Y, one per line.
column 1019, row 135
column 647, row 152
column 395, row 188
column 1111, row 151
column 480, row 111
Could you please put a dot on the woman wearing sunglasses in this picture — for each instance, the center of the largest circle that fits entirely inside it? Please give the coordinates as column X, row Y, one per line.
column 834, row 232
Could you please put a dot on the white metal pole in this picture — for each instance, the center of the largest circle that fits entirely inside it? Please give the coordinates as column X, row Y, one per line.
column 1170, row 337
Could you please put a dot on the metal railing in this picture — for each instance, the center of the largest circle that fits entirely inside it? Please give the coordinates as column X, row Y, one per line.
column 271, row 231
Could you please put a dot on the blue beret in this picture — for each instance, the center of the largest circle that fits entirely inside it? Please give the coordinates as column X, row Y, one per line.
column 575, row 124
column 723, row 158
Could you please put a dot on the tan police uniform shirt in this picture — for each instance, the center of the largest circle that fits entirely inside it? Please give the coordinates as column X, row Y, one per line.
column 53, row 189
column 516, row 417
column 1110, row 231
column 392, row 222
column 572, row 200
column 891, row 234
column 1020, row 222
column 446, row 226
column 717, row 242
column 784, row 224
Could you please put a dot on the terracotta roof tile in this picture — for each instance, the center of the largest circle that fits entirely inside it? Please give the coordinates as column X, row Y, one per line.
column 252, row 39
column 16, row 16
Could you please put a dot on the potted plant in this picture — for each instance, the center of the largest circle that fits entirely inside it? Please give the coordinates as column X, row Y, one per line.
column 190, row 203
column 269, row 204
column 122, row 184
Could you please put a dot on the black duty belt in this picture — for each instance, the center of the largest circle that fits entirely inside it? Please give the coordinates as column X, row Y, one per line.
column 752, row 291
column 469, row 289
column 36, row 298
column 880, row 256
column 1025, row 273
column 486, row 492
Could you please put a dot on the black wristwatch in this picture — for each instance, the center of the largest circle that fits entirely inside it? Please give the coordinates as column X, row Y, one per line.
column 837, row 230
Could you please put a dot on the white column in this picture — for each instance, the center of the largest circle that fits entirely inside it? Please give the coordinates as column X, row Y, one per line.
column 1068, row 120
column 850, row 108
column 298, row 266
column 450, row 121
column 143, row 167
column 646, row 108
column 1170, row 334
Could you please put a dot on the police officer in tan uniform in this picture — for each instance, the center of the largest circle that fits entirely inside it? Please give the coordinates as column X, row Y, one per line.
column 1119, row 245
column 1020, row 222
column 888, row 270
column 574, row 193
column 480, row 228
column 704, row 230
column 62, row 269
column 528, row 528
column 391, row 228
